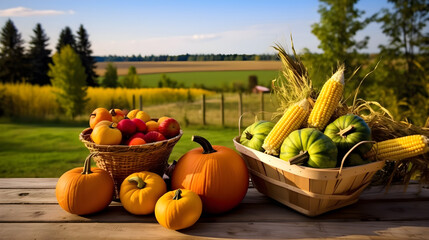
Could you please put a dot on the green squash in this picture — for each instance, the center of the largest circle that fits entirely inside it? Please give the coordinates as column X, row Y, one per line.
column 348, row 130
column 309, row 147
column 253, row 136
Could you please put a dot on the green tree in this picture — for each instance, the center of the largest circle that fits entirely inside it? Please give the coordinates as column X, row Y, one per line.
column 167, row 82
column 66, row 38
column 39, row 57
column 131, row 80
column 337, row 28
column 405, row 57
column 110, row 77
column 68, row 77
column 12, row 58
column 83, row 48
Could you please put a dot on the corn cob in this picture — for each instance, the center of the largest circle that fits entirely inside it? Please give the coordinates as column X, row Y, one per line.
column 291, row 120
column 327, row 101
column 399, row 148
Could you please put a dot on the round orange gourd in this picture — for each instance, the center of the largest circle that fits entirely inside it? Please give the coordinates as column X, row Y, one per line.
column 84, row 190
column 117, row 115
column 140, row 191
column 216, row 173
column 178, row 209
column 99, row 114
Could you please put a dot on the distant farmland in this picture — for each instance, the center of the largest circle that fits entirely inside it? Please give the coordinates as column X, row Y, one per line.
column 209, row 73
column 191, row 66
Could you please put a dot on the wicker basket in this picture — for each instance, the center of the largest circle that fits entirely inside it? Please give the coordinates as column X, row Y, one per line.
column 121, row 160
column 310, row 191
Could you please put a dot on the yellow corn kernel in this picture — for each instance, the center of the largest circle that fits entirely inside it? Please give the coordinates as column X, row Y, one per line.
column 399, row 148
column 327, row 101
column 291, row 120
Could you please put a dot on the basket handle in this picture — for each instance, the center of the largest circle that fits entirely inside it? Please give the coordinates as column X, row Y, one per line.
column 350, row 151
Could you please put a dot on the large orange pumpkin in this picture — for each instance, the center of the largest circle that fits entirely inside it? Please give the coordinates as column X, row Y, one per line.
column 84, row 190
column 216, row 173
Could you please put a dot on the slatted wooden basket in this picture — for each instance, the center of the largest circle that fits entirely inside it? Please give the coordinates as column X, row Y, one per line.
column 122, row 160
column 310, row 191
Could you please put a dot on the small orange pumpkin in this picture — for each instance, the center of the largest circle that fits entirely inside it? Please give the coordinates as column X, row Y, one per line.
column 84, row 190
column 140, row 191
column 178, row 209
column 216, row 173
column 99, row 114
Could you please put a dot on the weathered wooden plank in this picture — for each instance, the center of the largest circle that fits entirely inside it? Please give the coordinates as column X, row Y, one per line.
column 245, row 212
column 27, row 196
column 28, row 182
column 249, row 230
column 23, row 195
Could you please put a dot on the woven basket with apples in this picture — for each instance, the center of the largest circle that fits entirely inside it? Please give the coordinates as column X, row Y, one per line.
column 123, row 142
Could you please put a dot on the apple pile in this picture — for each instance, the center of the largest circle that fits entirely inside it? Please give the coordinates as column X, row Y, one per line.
column 135, row 127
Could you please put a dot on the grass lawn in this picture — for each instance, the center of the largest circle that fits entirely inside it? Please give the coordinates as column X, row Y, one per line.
column 210, row 79
column 48, row 150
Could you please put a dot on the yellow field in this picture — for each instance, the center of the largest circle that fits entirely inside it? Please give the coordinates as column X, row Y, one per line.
column 26, row 100
column 189, row 66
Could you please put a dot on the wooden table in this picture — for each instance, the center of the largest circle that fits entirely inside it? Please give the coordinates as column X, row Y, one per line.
column 29, row 210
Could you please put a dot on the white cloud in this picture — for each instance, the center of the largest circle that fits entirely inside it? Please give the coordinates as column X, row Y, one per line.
column 204, row 36
column 249, row 40
column 26, row 12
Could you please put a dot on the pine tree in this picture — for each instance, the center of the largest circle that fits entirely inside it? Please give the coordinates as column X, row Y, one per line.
column 68, row 77
column 110, row 77
column 39, row 57
column 66, row 38
column 83, row 48
column 12, row 58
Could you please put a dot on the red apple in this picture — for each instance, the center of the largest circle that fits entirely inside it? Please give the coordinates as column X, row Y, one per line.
column 169, row 128
column 126, row 126
column 141, row 125
column 135, row 135
column 136, row 141
column 153, row 136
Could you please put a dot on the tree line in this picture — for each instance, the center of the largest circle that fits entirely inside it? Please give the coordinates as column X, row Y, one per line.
column 188, row 57
column 32, row 65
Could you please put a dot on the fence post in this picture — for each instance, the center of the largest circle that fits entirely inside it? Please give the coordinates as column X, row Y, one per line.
column 262, row 106
column 141, row 102
column 203, row 108
column 222, row 109
column 240, row 106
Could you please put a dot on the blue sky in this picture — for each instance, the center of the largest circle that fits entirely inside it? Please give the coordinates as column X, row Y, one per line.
column 180, row 27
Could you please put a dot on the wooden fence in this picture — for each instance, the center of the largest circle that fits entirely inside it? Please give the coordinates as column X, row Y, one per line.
column 223, row 109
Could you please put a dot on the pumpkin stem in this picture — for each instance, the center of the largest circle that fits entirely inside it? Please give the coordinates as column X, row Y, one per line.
column 87, row 165
column 112, row 112
column 346, row 131
column 301, row 158
column 140, row 183
column 177, row 194
column 207, row 147
column 249, row 136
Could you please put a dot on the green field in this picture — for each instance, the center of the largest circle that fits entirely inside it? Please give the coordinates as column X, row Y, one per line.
column 210, row 79
column 48, row 150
